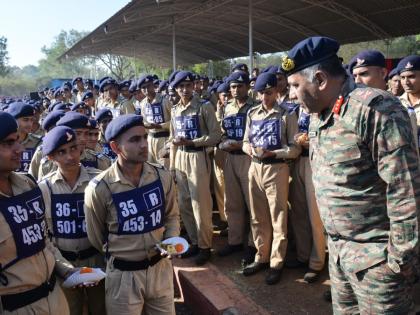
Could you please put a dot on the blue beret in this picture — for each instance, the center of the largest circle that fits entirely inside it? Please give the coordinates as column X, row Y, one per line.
column 204, row 78
column 163, row 85
column 133, row 86
column 367, row 58
column 8, row 125
column 223, row 88
column 96, row 87
column 107, row 82
column 19, row 109
column 103, row 113
column 393, row 73
column 182, row 76
column 78, row 106
column 156, row 81
column 172, row 75
column 61, row 106
column 214, row 86
column 74, row 120
column 76, row 79
column 103, row 79
column 309, row 52
column 67, row 85
column 253, row 79
column 86, row 95
column 409, row 63
column 273, row 69
column 240, row 67
column 93, row 123
column 121, row 124
column 51, row 119
column 197, row 77
column 265, row 81
column 57, row 92
column 144, row 79
column 57, row 137
column 88, row 82
column 238, row 77
column 124, row 84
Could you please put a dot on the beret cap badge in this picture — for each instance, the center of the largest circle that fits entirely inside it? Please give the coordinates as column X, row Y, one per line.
column 360, row 61
column 287, row 64
column 409, row 65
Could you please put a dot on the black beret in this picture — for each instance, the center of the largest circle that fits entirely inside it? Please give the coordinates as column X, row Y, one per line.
column 57, row 137
column 103, row 113
column 51, row 119
column 182, row 76
column 409, row 63
column 238, row 77
column 121, row 124
column 367, row 58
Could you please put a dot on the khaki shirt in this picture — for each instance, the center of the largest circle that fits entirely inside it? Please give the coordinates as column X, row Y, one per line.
column 31, row 141
column 127, row 106
column 48, row 166
column 120, row 106
column 232, row 108
column 166, row 108
column 55, row 183
column 32, row 271
column 414, row 114
column 36, row 162
column 209, row 126
column 102, row 218
column 288, row 126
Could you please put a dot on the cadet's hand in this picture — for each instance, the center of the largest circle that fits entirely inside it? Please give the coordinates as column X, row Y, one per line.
column 302, row 139
column 267, row 154
column 182, row 141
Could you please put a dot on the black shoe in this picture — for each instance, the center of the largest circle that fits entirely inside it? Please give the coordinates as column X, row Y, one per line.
column 229, row 249
column 222, row 225
column 192, row 251
column 311, row 276
column 254, row 268
column 274, row 276
column 327, row 296
column 249, row 256
column 295, row 264
column 203, row 256
column 224, row 233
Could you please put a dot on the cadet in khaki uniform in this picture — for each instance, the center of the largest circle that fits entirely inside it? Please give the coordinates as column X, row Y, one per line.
column 304, row 215
column 132, row 207
column 236, row 168
column 194, row 127
column 126, row 97
column 156, row 111
column 111, row 100
column 103, row 118
column 366, row 181
column 47, row 124
column 24, row 115
column 89, row 158
column 409, row 70
column 36, row 126
column 63, row 192
column 269, row 140
column 28, row 261
column 78, row 82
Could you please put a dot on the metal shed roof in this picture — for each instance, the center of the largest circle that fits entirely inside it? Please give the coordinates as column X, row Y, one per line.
column 218, row 29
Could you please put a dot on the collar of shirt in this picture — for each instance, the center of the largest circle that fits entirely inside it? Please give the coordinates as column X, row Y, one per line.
column 407, row 100
column 194, row 102
column 116, row 175
column 19, row 184
column 276, row 109
column 83, row 177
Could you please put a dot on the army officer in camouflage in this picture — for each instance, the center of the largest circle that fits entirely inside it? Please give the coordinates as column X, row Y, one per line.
column 365, row 174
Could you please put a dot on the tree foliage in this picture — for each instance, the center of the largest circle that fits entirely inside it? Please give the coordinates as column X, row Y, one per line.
column 4, row 57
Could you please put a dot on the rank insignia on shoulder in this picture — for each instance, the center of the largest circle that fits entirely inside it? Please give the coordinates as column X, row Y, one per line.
column 312, row 134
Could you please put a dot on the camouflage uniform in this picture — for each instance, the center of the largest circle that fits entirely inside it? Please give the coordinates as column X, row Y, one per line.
column 366, row 177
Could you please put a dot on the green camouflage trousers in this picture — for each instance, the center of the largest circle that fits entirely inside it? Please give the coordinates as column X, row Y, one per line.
column 376, row 290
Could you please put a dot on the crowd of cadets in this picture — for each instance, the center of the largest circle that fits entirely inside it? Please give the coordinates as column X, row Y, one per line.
column 241, row 142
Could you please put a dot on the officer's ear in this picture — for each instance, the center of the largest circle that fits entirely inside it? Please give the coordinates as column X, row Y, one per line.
column 115, row 146
column 321, row 79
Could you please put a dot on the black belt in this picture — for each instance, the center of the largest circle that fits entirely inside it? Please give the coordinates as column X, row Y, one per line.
column 190, row 148
column 305, row 152
column 83, row 254
column 337, row 237
column 124, row 265
column 268, row 160
column 161, row 134
column 237, row 152
column 15, row 301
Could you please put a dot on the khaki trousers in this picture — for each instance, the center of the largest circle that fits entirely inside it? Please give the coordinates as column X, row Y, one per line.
column 237, row 203
column 94, row 297
column 304, row 216
column 155, row 145
column 268, row 192
column 148, row 292
column 194, row 198
column 219, row 181
column 54, row 303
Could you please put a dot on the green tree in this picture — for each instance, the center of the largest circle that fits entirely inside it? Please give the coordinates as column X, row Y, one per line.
column 4, row 58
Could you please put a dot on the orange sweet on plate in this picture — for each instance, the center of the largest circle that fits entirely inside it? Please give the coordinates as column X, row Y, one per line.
column 179, row 248
column 86, row 270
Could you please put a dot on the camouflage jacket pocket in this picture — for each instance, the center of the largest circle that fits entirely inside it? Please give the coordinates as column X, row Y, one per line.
column 343, row 154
